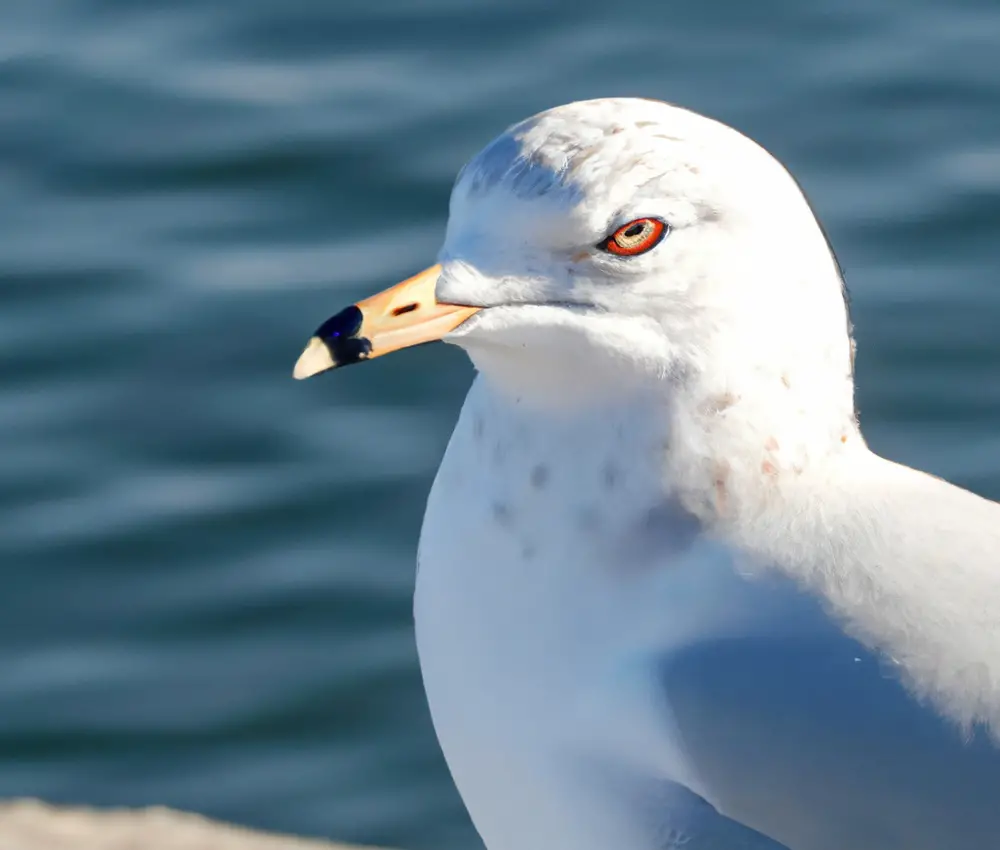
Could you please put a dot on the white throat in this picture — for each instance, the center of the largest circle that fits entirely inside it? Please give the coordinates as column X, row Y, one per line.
column 729, row 429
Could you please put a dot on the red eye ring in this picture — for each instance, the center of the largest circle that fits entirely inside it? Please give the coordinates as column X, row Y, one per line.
column 636, row 237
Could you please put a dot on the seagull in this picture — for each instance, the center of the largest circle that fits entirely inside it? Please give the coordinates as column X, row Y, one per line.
column 666, row 595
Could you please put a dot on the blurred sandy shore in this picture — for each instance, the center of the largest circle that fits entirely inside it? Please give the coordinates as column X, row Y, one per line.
column 32, row 825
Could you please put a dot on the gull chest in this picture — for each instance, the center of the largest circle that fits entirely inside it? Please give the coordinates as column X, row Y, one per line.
column 541, row 562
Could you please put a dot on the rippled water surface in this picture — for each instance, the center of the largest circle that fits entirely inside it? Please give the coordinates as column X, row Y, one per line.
column 207, row 568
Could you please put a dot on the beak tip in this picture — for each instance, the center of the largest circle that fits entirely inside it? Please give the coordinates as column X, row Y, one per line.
column 315, row 359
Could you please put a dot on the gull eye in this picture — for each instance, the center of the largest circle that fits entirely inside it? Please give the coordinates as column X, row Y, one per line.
column 636, row 237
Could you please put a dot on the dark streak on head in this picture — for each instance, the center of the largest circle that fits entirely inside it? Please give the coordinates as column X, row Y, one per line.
column 506, row 161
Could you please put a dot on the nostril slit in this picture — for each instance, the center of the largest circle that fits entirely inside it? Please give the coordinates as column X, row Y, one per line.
column 407, row 308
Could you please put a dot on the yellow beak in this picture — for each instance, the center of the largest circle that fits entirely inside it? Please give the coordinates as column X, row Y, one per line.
column 404, row 315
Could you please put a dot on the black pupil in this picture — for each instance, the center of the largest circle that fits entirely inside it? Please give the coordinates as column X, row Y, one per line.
column 635, row 230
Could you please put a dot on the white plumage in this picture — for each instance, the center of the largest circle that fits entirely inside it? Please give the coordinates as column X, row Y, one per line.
column 667, row 597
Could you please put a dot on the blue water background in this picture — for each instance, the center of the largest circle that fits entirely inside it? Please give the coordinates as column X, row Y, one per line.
column 207, row 568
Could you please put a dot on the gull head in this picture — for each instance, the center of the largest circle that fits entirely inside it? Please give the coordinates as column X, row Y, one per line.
column 606, row 244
